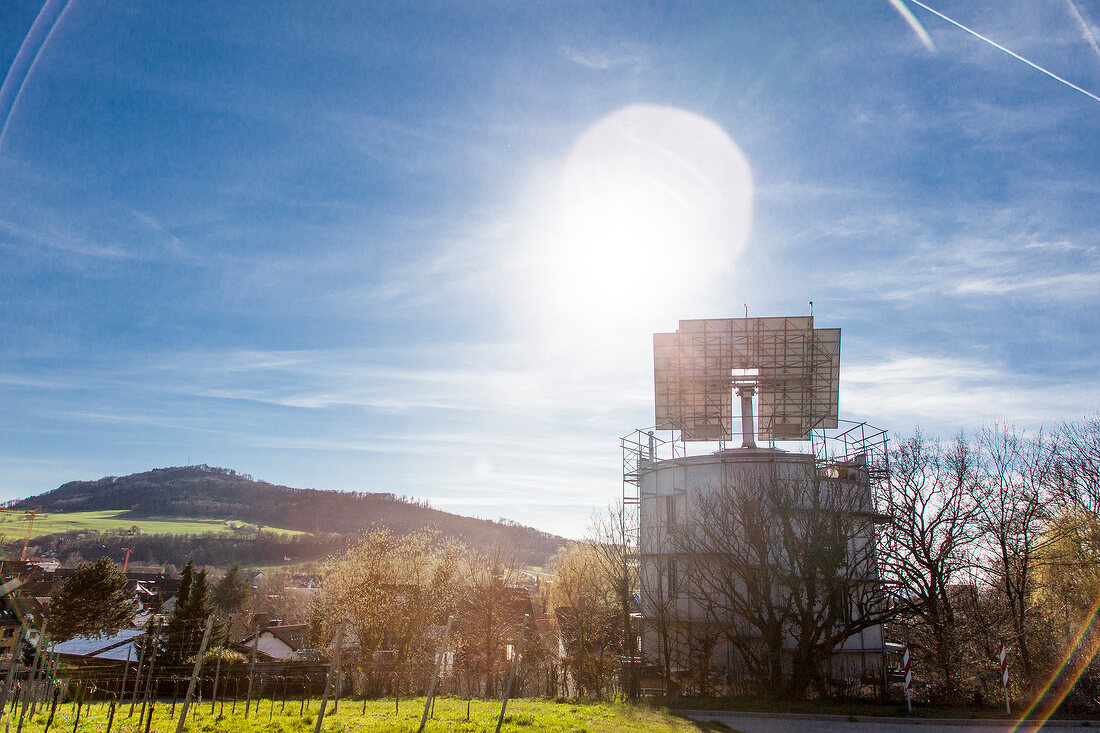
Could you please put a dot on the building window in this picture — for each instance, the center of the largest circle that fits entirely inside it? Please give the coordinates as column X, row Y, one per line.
column 673, row 578
column 842, row 605
column 9, row 633
column 670, row 511
column 754, row 587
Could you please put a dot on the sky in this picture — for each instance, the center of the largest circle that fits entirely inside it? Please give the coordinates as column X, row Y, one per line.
column 422, row 248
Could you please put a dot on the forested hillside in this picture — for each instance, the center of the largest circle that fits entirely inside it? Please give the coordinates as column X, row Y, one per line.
column 205, row 491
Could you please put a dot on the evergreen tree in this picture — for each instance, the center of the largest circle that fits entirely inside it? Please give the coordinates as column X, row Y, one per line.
column 193, row 606
column 94, row 600
column 232, row 593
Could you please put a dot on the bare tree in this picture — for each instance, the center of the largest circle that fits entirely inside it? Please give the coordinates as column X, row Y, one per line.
column 1078, row 479
column 586, row 612
column 1015, row 474
column 785, row 566
column 489, row 609
column 277, row 597
column 611, row 532
column 658, row 597
column 391, row 588
column 927, row 543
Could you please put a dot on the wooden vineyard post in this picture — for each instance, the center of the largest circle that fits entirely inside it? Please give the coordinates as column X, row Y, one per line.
column 339, row 687
column 126, row 671
column 328, row 680
column 16, row 653
column 137, row 677
column 111, row 716
column 152, row 707
column 435, row 674
column 251, row 672
column 512, row 675
column 32, row 678
column 195, row 673
column 149, row 685
column 53, row 709
column 217, row 672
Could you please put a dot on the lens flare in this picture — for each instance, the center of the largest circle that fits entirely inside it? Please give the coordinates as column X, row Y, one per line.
column 25, row 59
column 1065, row 677
column 652, row 205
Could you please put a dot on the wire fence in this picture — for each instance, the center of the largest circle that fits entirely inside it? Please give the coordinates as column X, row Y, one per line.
column 44, row 691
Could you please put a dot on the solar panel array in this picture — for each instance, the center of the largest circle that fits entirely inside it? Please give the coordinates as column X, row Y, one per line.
column 794, row 367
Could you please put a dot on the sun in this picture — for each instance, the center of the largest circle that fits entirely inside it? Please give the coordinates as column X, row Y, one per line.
column 650, row 208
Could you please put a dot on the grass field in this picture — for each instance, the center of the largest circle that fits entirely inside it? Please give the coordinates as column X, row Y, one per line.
column 530, row 716
column 14, row 526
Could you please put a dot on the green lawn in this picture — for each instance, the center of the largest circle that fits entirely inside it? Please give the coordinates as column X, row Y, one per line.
column 14, row 526
column 529, row 716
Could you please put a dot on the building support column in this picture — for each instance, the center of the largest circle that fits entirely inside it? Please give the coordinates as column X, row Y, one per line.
column 748, row 429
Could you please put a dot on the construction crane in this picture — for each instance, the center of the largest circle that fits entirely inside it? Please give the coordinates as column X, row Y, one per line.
column 126, row 562
column 30, row 514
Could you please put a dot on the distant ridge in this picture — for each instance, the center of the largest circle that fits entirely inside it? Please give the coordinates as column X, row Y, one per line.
column 222, row 493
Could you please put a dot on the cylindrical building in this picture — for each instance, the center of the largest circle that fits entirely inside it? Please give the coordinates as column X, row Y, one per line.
column 755, row 563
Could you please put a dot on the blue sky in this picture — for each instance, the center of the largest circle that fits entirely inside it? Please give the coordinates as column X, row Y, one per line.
column 422, row 247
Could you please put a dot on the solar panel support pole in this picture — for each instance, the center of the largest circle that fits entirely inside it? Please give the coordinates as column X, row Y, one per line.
column 748, row 429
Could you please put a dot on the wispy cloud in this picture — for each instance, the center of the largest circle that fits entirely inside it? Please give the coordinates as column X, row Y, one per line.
column 958, row 251
column 1083, row 25
column 321, row 379
column 604, row 58
column 479, row 379
column 950, row 393
column 27, row 380
column 53, row 238
column 463, row 268
column 173, row 422
column 1064, row 286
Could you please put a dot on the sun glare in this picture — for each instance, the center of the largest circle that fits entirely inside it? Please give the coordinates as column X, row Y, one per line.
column 649, row 209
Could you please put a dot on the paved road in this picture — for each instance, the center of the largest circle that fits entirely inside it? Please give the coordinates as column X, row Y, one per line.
column 750, row 723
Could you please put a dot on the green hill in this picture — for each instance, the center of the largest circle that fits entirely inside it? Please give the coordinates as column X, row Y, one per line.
column 121, row 521
column 194, row 500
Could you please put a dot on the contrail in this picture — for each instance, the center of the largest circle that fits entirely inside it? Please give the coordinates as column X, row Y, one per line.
column 915, row 24
column 23, row 63
column 1086, row 31
column 1013, row 54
